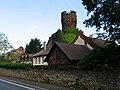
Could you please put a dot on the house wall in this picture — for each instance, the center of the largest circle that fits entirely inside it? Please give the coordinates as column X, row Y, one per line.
column 58, row 58
column 80, row 41
column 49, row 45
column 39, row 61
column 26, row 58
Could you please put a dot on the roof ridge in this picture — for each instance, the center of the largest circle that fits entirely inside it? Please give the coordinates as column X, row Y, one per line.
column 85, row 38
column 59, row 44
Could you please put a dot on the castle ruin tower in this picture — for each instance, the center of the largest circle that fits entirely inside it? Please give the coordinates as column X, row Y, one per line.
column 68, row 19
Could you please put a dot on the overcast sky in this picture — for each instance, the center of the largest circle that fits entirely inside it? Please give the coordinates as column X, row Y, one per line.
column 21, row 20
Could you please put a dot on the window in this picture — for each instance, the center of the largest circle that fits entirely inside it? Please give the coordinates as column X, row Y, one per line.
column 38, row 60
column 42, row 59
column 35, row 60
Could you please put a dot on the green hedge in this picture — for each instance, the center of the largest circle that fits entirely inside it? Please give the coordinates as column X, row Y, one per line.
column 105, row 58
column 10, row 65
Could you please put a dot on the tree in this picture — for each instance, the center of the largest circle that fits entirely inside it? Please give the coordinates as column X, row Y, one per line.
column 14, row 54
column 105, row 15
column 60, row 36
column 107, row 57
column 4, row 43
column 33, row 46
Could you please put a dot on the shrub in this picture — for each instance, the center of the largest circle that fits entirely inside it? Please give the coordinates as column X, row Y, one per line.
column 60, row 36
column 2, row 58
column 102, row 58
column 10, row 65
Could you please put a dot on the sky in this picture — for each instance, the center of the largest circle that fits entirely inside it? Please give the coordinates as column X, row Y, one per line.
column 21, row 20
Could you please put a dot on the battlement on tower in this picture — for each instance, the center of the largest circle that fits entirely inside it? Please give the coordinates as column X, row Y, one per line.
column 68, row 19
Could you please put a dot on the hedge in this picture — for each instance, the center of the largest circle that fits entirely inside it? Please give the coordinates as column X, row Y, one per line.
column 10, row 65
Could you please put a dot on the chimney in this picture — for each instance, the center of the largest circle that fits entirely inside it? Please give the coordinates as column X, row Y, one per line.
column 44, row 46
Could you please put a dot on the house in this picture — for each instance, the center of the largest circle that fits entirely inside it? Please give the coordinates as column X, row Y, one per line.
column 91, row 43
column 70, row 54
column 38, row 58
column 66, row 54
column 26, row 58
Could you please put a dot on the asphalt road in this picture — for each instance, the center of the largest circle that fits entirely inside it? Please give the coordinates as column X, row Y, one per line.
column 7, row 83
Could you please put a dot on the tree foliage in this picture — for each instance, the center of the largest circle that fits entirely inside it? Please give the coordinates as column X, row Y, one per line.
column 33, row 46
column 107, row 57
column 105, row 15
column 4, row 43
column 60, row 36
column 11, row 56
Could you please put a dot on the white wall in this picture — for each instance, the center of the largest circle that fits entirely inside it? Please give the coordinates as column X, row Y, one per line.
column 80, row 41
column 39, row 61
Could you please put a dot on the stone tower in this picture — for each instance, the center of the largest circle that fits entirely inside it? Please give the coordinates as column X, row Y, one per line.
column 68, row 19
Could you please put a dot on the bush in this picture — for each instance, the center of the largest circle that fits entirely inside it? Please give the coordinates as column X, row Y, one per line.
column 102, row 58
column 69, row 37
column 60, row 36
column 10, row 65
column 2, row 58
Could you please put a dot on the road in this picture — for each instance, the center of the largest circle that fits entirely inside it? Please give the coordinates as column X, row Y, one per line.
column 6, row 84
column 19, row 84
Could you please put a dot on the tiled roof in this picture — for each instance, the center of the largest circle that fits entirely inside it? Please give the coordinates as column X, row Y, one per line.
column 91, row 41
column 26, row 55
column 100, row 42
column 42, row 53
column 72, row 51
